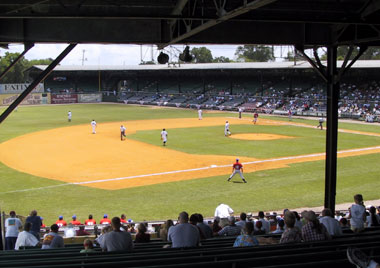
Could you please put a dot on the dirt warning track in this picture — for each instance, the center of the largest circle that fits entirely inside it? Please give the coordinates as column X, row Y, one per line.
column 74, row 155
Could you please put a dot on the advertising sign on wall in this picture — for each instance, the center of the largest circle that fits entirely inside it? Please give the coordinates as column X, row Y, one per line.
column 33, row 98
column 88, row 98
column 64, row 98
column 19, row 88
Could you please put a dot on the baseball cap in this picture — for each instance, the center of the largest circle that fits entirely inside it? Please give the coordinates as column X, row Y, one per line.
column 237, row 159
column 74, row 216
column 105, row 216
column 60, row 217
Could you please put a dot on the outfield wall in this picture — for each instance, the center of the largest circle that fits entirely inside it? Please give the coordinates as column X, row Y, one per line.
column 48, row 98
column 76, row 98
column 31, row 99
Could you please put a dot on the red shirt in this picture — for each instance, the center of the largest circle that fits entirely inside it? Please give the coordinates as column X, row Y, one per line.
column 105, row 221
column 123, row 221
column 237, row 166
column 256, row 115
column 75, row 222
column 90, row 222
column 82, row 232
column 61, row 223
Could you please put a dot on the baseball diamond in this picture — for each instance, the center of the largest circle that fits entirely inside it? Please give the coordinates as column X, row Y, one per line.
column 194, row 164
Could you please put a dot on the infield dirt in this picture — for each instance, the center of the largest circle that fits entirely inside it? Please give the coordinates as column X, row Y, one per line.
column 75, row 155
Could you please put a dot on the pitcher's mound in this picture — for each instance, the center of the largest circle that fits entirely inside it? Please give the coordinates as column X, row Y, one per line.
column 259, row 136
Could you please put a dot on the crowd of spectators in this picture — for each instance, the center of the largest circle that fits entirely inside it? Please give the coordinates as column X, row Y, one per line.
column 357, row 101
column 190, row 231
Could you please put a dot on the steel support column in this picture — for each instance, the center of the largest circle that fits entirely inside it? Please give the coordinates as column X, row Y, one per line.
column 333, row 88
column 36, row 81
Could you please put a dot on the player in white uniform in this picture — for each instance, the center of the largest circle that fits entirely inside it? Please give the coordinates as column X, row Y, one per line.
column 122, row 132
column 227, row 129
column 200, row 114
column 164, row 136
column 69, row 116
column 240, row 111
column 320, row 123
column 93, row 125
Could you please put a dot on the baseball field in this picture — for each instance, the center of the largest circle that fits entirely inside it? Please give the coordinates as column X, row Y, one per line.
column 60, row 168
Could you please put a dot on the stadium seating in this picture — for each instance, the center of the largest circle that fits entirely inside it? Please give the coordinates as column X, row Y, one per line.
column 216, row 252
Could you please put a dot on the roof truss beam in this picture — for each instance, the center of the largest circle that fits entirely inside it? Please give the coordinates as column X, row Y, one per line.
column 224, row 16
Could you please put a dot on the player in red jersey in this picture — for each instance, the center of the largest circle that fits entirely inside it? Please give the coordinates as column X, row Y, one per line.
column 255, row 116
column 123, row 218
column 105, row 220
column 75, row 221
column 61, row 222
column 90, row 220
column 237, row 168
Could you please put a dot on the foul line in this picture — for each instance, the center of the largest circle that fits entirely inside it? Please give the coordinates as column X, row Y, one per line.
column 194, row 169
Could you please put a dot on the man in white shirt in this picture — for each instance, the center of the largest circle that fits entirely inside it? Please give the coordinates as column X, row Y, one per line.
column 227, row 129
column 69, row 116
column 122, row 132
column 223, row 211
column 200, row 114
column 164, row 136
column 25, row 238
column 93, row 125
column 184, row 234
column 12, row 226
column 331, row 224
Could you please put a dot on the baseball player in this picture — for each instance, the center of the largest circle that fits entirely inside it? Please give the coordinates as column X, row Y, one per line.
column 237, row 168
column 227, row 129
column 164, row 136
column 240, row 111
column 290, row 114
column 320, row 123
column 255, row 116
column 200, row 114
column 122, row 132
column 93, row 125
column 69, row 116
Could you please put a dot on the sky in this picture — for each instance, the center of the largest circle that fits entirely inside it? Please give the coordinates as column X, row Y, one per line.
column 94, row 54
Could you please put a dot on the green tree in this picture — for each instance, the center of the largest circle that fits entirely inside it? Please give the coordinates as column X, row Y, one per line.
column 255, row 53
column 16, row 73
column 372, row 53
column 201, row 55
column 221, row 59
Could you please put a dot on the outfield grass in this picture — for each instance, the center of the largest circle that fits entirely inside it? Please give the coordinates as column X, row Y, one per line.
column 299, row 185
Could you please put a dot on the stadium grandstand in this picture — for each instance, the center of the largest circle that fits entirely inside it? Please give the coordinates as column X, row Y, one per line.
column 273, row 87
column 312, row 87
